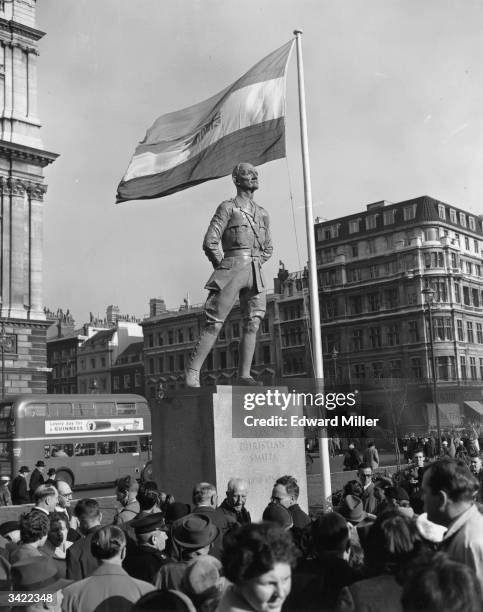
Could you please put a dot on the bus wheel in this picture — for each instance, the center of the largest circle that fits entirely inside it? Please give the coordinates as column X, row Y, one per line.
column 65, row 475
column 147, row 473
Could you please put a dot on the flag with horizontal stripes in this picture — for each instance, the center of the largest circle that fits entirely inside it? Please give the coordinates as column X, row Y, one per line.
column 243, row 123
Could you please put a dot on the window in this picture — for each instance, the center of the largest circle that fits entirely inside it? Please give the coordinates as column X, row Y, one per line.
column 103, row 362
column 476, row 297
column 62, row 450
column 392, row 335
column 471, row 223
column 445, row 367
column 355, row 250
column 180, row 336
column 467, row 243
column 462, row 219
column 93, row 362
column 473, row 373
column 463, row 367
column 107, row 448
column 35, row 410
column 469, row 267
column 355, row 304
column 151, row 365
column 476, row 246
column 459, row 325
column 371, row 222
column 375, row 336
column 413, row 331
column 266, row 356
column 266, row 325
column 170, row 337
column 222, row 359
column 452, row 215
column 377, row 369
column 481, row 367
column 353, row 275
column 115, row 383
column 374, row 303
column 354, row 226
column 359, row 371
column 469, row 331
column 395, row 368
column 171, row 363
column 126, row 409
column 150, row 340
column 83, row 364
column 84, row 449
column 409, row 212
column 191, row 334
column 222, row 334
column 391, row 298
column 388, row 217
column 466, row 296
column 457, row 294
column 477, row 269
column 441, row 211
column 235, row 356
column 235, row 330
column 181, row 362
column 127, row 381
column 479, row 333
column 416, row 368
column 128, row 446
column 160, row 339
column 145, row 444
column 209, row 361
column 371, row 247
column 161, row 364
column 357, row 344
column 137, row 379
column 374, row 271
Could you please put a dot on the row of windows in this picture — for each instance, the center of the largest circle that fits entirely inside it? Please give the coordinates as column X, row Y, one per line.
column 126, row 381
column 81, row 409
column 93, row 362
column 63, row 354
column 111, row 447
column 171, row 336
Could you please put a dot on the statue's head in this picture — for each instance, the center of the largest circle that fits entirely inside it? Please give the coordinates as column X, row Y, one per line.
column 245, row 176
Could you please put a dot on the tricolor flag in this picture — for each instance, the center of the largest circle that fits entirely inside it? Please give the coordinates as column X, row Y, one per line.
column 244, row 122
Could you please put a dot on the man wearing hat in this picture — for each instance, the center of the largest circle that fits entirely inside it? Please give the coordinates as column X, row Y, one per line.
column 39, row 576
column 144, row 561
column 5, row 497
column 192, row 537
column 51, row 477
column 19, row 487
column 9, row 537
column 352, row 509
column 37, row 477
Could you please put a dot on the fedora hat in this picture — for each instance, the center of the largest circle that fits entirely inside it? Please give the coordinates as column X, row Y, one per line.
column 40, row 463
column 194, row 531
column 24, row 469
column 276, row 513
column 176, row 510
column 37, row 574
column 352, row 509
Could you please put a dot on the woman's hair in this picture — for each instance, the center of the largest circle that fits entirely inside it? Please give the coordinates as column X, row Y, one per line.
column 107, row 542
column 253, row 550
column 438, row 583
column 353, row 487
column 392, row 542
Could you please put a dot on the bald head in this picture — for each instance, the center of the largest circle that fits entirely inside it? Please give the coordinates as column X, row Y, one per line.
column 236, row 493
column 65, row 493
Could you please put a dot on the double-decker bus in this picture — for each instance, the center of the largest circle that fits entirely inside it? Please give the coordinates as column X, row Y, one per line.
column 89, row 439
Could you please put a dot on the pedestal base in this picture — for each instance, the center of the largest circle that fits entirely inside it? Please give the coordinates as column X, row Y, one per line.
column 193, row 442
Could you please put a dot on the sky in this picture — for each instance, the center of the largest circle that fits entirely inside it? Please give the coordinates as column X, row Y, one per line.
column 394, row 92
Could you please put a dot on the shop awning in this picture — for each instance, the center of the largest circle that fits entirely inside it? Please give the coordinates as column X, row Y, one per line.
column 476, row 406
column 449, row 415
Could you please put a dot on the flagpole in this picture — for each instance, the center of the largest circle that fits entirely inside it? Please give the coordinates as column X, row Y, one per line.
column 313, row 285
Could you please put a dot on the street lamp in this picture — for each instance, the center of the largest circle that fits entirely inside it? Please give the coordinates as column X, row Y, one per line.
column 429, row 296
column 5, row 345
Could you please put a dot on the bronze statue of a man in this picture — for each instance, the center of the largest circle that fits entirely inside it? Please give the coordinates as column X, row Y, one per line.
column 237, row 243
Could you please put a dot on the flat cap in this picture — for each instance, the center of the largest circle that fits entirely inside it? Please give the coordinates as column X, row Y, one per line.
column 149, row 523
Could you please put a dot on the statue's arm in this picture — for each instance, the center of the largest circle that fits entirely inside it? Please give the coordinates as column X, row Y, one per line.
column 212, row 241
column 268, row 246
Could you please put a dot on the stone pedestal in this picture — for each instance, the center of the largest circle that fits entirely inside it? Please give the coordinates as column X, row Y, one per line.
column 193, row 442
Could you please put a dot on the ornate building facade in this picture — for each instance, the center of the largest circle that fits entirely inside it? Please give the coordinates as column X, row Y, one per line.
column 22, row 190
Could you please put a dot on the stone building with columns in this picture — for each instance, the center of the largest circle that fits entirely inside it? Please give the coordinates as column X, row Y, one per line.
column 22, row 191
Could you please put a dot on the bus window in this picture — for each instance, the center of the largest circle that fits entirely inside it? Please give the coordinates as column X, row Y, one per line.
column 62, row 450
column 128, row 446
column 106, row 448
column 105, row 409
column 87, row 410
column 83, row 449
column 60, row 410
column 35, row 410
column 145, row 444
column 126, row 409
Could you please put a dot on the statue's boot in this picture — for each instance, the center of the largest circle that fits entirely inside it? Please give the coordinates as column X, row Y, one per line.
column 198, row 356
column 246, row 352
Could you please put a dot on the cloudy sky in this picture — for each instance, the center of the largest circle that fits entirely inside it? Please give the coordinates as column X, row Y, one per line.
column 395, row 110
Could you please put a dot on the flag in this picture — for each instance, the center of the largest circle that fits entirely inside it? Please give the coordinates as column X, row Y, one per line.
column 243, row 123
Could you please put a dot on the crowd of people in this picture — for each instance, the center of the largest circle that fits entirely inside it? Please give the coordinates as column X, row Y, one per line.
column 391, row 546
